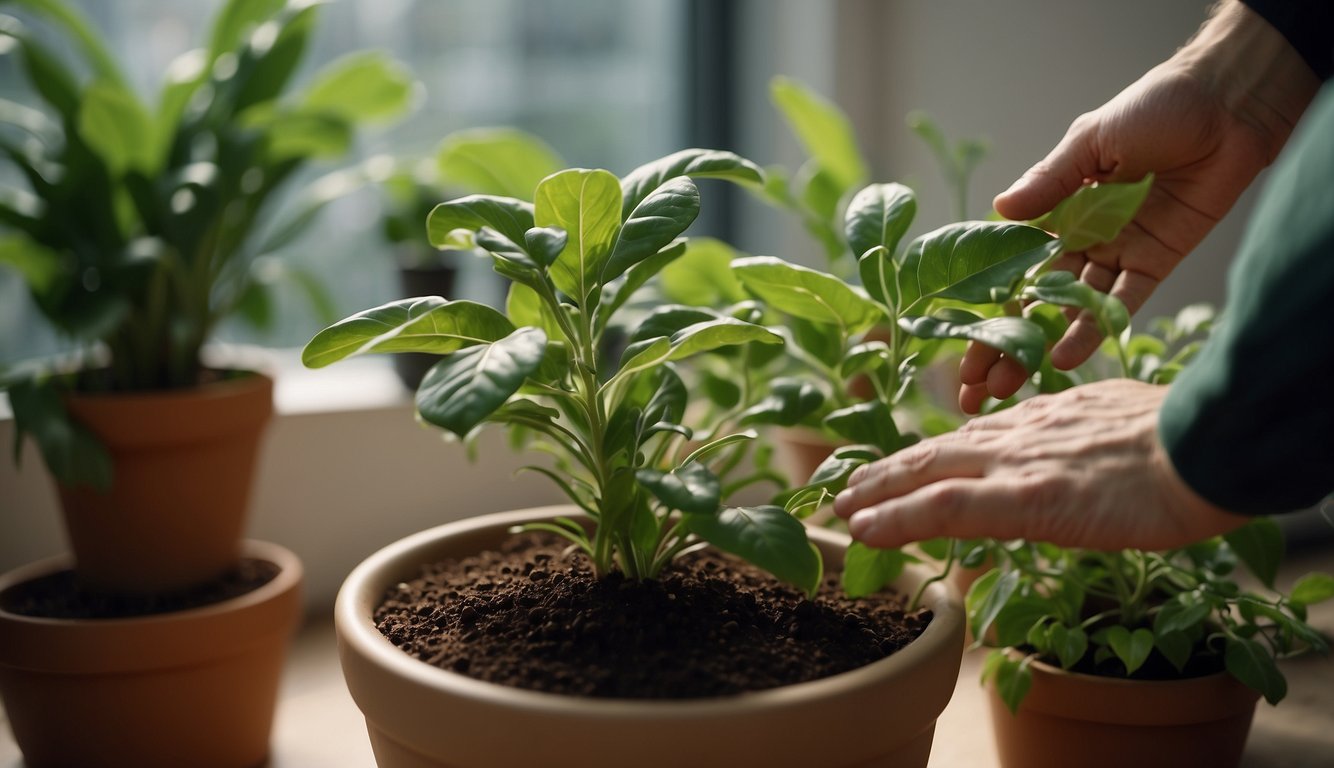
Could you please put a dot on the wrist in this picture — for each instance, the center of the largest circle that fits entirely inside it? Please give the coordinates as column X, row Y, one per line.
column 1257, row 75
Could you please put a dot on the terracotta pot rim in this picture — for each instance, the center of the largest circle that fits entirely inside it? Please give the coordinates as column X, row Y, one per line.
column 357, row 630
column 227, row 627
column 1121, row 682
column 247, row 380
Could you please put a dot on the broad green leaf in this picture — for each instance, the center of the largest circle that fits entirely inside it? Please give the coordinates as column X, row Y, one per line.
column 966, row 260
column 268, row 61
column 235, row 22
column 116, row 126
column 545, row 244
column 702, row 276
column 713, row 334
column 1068, row 644
column 1259, row 544
column 525, row 308
column 1176, row 647
column 510, row 217
column 463, row 389
column 986, row 597
column 691, row 488
column 869, row 422
column 52, row 80
column 1132, row 648
column 40, row 266
column 1020, row 614
column 73, row 455
column 878, row 216
column 367, row 85
column 1013, row 679
column 619, row 291
column 807, row 293
column 1095, row 213
column 667, row 320
column 831, row 476
column 696, row 163
column 765, row 536
column 880, row 275
column 867, row 570
column 1063, row 289
column 656, row 221
column 823, row 130
column 788, row 401
column 1313, row 588
column 1021, row 339
column 867, row 356
column 1180, row 614
column 496, row 161
column 587, row 205
column 641, row 357
column 1251, row 663
column 89, row 41
column 427, row 324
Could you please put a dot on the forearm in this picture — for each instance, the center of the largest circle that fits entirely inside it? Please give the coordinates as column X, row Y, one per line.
column 1252, row 69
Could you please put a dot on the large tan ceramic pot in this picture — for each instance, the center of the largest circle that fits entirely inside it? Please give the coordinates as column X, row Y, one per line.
column 1070, row 719
column 183, row 462
column 883, row 714
column 192, row 688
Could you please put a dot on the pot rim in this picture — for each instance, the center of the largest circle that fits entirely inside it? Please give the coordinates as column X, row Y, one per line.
column 357, row 631
column 248, row 379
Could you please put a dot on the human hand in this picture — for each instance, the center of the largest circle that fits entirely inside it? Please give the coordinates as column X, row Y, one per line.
column 1204, row 123
column 1081, row 468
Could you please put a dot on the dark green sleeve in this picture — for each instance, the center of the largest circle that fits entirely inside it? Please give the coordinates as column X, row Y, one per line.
column 1250, row 424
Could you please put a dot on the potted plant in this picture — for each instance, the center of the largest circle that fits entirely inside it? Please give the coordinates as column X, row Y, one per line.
column 1135, row 656
column 137, row 233
column 489, row 161
column 645, row 490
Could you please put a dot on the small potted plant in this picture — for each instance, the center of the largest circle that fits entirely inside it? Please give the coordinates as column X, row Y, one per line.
column 1135, row 656
column 489, row 161
column 646, row 490
column 137, row 233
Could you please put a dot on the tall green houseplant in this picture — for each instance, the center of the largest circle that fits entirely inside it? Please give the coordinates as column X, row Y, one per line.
column 139, row 223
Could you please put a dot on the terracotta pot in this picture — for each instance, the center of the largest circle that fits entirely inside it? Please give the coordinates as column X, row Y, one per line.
column 419, row 715
column 799, row 450
column 1073, row 719
column 183, row 463
column 195, row 687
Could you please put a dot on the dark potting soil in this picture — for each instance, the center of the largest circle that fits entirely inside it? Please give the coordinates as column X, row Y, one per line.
column 533, row 616
column 60, row 595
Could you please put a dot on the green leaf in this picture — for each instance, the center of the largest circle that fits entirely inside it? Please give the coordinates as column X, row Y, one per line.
column 463, row 389
column 643, row 356
column 869, row 422
column 702, row 276
column 427, row 324
column 545, row 244
column 823, row 130
column 496, row 161
column 73, row 455
column 1176, row 647
column 765, row 536
column 1251, row 663
column 1132, row 648
column 807, row 293
column 510, row 217
column 788, row 401
column 696, row 163
column 867, row 570
column 267, row 62
column 236, row 21
column 656, row 221
column 867, row 356
column 40, row 266
column 713, row 334
column 879, row 215
column 587, row 205
column 116, row 126
column 880, row 275
column 1095, row 213
column 1063, row 289
column 714, row 446
column 1020, row 614
column 616, row 292
column 986, row 597
column 1017, row 337
column 965, row 261
column 1068, row 644
column 367, row 85
column 691, row 488
column 1013, row 679
column 1182, row 613
column 1259, row 544
column 1312, row 588
column 525, row 307
column 667, row 320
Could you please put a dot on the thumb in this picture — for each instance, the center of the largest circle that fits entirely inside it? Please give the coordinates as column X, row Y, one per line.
column 1060, row 174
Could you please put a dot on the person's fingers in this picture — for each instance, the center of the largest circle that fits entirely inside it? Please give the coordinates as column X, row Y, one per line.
column 940, row 458
column 977, row 362
column 1006, row 377
column 964, row 508
column 971, row 397
column 1053, row 179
